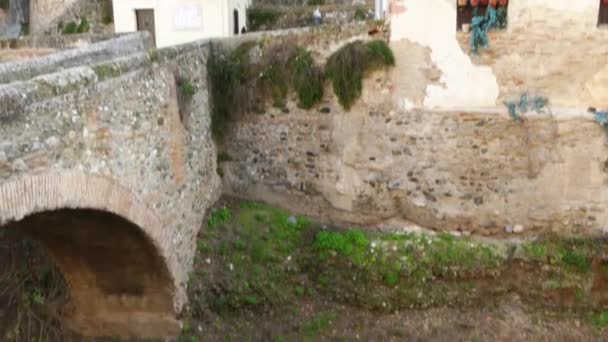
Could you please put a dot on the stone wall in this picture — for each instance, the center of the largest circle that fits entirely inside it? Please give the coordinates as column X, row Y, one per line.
column 472, row 172
column 431, row 141
column 59, row 42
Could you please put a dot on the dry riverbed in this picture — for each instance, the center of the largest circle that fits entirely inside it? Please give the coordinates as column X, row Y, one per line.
column 263, row 274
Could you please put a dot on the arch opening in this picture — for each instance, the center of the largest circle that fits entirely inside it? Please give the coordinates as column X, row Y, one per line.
column 118, row 283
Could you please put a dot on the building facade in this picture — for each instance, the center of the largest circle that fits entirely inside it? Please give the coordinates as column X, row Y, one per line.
column 181, row 21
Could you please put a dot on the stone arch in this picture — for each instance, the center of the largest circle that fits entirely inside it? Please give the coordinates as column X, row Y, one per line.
column 113, row 251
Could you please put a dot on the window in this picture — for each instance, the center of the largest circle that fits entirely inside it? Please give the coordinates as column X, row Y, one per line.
column 466, row 9
column 603, row 17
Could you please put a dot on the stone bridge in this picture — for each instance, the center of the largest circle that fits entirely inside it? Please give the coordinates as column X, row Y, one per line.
column 101, row 163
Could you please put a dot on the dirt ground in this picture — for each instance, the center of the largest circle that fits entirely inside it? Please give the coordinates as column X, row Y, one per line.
column 262, row 274
column 509, row 320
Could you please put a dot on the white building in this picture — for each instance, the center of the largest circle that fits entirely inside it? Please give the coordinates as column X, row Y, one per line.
column 174, row 22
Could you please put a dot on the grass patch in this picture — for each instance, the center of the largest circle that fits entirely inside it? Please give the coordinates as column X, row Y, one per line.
column 348, row 66
column 353, row 244
column 106, row 71
column 318, row 324
column 600, row 320
column 219, row 216
column 73, row 28
column 568, row 255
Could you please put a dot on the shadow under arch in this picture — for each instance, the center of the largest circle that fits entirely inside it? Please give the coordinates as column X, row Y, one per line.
column 119, row 272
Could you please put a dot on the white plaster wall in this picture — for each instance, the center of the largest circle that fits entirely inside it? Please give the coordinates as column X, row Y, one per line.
column 580, row 13
column 432, row 23
column 217, row 18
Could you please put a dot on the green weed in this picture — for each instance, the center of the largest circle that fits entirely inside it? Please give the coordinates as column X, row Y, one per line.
column 318, row 324
column 353, row 244
column 347, row 67
column 227, row 73
column 600, row 320
column 186, row 89
column 307, row 79
column 219, row 216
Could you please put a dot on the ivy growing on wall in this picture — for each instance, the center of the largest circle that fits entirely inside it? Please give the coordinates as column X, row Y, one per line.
column 481, row 25
column 602, row 119
column 526, row 103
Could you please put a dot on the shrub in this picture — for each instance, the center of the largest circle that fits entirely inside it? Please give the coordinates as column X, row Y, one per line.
column 72, row 28
column 275, row 72
column 69, row 28
column 347, row 67
column 227, row 72
column 259, row 18
column 307, row 79
column 5, row 4
column 360, row 14
column 84, row 25
column 316, row 2
column 186, row 89
column 275, row 82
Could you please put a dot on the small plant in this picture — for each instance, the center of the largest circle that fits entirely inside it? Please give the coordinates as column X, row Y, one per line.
column 186, row 89
column 84, row 25
column 318, row 324
column 600, row 320
column 380, row 54
column 72, row 27
column 360, row 14
column 219, row 216
column 307, row 79
column 260, row 18
column 25, row 29
column 69, row 28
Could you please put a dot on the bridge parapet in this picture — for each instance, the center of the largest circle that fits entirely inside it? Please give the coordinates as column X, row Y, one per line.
column 105, row 137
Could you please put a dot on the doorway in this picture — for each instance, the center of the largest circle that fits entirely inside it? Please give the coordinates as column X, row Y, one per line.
column 235, row 14
column 145, row 22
